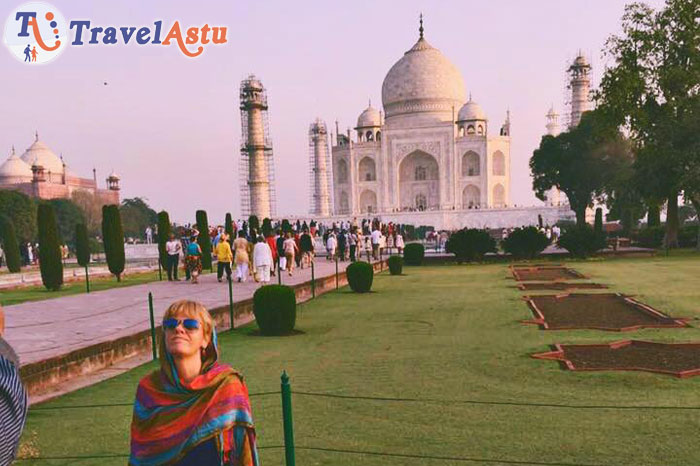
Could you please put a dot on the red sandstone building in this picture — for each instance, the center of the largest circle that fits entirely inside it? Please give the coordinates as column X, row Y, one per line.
column 40, row 173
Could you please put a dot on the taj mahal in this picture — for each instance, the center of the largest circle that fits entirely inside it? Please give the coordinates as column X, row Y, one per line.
column 430, row 157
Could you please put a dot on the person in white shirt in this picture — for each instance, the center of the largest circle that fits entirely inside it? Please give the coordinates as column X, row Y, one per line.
column 399, row 243
column 376, row 240
column 149, row 235
column 262, row 260
column 173, row 248
column 331, row 245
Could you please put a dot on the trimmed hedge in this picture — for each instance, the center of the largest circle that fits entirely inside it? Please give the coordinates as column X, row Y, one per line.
column 651, row 237
column 203, row 239
column 50, row 260
column 275, row 309
column 395, row 265
column 10, row 245
column 360, row 276
column 163, row 237
column 688, row 236
column 582, row 241
column 413, row 254
column 82, row 245
column 525, row 243
column 113, row 240
column 470, row 244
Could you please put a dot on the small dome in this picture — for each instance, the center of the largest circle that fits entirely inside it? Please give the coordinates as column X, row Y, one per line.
column 369, row 118
column 40, row 154
column 471, row 111
column 15, row 170
column 113, row 176
column 581, row 61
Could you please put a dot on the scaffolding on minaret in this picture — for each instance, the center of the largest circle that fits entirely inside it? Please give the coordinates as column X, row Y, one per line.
column 320, row 200
column 257, row 164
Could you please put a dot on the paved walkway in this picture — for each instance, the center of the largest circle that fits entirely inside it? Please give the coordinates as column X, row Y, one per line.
column 44, row 329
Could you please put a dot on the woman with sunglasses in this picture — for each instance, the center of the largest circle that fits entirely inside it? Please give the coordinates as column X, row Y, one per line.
column 194, row 410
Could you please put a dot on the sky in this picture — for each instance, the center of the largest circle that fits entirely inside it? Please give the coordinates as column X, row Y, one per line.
column 170, row 125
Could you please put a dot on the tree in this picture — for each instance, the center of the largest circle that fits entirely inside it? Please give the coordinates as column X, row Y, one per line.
column 91, row 206
column 137, row 216
column 68, row 215
column 581, row 162
column 598, row 225
column 50, row 257
column 652, row 92
column 228, row 227
column 253, row 223
column 113, row 239
column 82, row 250
column 203, row 238
column 266, row 227
column 163, row 235
column 10, row 244
column 21, row 210
column 654, row 216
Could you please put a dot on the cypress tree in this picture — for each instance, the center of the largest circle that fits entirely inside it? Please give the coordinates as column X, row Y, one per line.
column 253, row 223
column 654, row 216
column 10, row 244
column 163, row 236
column 113, row 239
column 203, row 238
column 50, row 262
column 228, row 227
column 598, row 225
column 266, row 227
column 82, row 250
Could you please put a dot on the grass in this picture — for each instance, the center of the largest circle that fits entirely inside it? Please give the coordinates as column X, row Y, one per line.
column 439, row 332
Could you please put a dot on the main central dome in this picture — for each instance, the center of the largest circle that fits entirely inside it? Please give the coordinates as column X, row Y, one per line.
column 423, row 80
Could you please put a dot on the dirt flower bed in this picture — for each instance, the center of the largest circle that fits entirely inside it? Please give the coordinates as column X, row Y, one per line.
column 678, row 359
column 544, row 274
column 609, row 311
column 560, row 286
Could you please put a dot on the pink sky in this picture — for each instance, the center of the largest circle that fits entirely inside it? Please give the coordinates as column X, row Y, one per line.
column 170, row 125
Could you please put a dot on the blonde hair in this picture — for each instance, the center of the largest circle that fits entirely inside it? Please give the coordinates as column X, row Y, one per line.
column 193, row 310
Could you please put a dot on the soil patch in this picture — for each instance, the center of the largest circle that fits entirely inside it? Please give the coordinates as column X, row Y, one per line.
column 560, row 286
column 678, row 359
column 544, row 274
column 610, row 311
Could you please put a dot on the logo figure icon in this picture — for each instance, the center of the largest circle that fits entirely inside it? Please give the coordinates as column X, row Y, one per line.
column 36, row 32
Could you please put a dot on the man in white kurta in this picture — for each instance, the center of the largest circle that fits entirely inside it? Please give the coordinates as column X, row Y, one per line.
column 262, row 260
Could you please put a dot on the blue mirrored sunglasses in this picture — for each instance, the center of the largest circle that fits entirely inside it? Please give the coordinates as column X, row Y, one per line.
column 188, row 324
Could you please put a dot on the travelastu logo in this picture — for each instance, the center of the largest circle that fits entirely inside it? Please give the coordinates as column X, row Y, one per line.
column 36, row 32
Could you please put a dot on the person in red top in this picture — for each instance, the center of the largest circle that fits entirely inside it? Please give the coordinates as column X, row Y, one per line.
column 272, row 242
column 297, row 240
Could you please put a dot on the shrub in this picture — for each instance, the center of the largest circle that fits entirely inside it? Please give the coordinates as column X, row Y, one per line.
column 113, row 239
column 82, row 245
column 275, row 309
column 50, row 260
column 360, row 276
column 582, row 241
column 163, row 237
column 525, row 243
column 395, row 265
column 203, row 239
column 688, row 236
column 10, row 244
column 651, row 237
column 413, row 254
column 470, row 244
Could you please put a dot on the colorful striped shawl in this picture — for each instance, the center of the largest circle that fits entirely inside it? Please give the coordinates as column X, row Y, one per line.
column 171, row 417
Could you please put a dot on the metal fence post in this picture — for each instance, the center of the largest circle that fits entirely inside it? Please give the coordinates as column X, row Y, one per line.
column 87, row 279
column 336, row 272
column 313, row 280
column 153, row 325
column 287, row 420
column 279, row 271
column 160, row 270
column 230, row 301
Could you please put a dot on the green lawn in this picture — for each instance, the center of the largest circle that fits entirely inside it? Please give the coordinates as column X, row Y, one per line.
column 441, row 332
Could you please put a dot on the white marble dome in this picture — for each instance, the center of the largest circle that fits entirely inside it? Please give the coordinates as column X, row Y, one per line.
column 40, row 154
column 15, row 170
column 423, row 80
column 471, row 111
column 369, row 117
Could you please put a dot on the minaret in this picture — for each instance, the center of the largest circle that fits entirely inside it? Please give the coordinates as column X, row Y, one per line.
column 319, row 162
column 552, row 122
column 580, row 86
column 256, row 199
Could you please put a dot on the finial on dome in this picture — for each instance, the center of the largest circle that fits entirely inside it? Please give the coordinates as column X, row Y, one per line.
column 470, row 97
column 13, row 149
column 370, row 101
column 420, row 29
column 36, row 135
